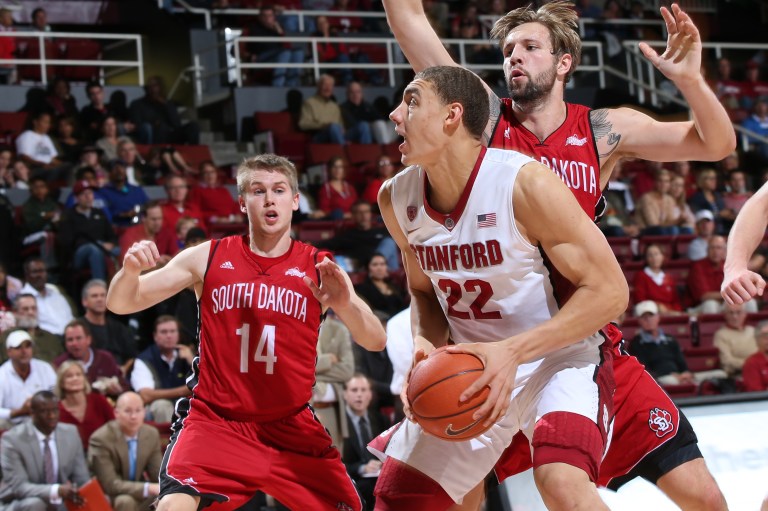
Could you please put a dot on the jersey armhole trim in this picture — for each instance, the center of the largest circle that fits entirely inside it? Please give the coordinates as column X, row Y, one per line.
column 210, row 257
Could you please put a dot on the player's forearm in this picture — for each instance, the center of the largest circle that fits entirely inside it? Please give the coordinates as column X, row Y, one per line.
column 711, row 121
column 587, row 311
column 428, row 323
column 747, row 231
column 365, row 328
column 123, row 295
column 416, row 37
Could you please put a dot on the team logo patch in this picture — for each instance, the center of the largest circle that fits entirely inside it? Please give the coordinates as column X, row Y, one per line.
column 411, row 212
column 660, row 421
column 294, row 272
column 341, row 506
column 227, row 265
column 575, row 140
column 506, row 133
column 189, row 480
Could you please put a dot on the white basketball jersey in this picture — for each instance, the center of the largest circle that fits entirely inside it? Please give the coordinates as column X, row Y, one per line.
column 491, row 282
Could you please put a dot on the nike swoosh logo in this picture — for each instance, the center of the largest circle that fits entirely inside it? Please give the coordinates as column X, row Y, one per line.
column 456, row 432
column 409, row 231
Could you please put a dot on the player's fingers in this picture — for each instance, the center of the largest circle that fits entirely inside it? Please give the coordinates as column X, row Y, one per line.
column 484, row 380
column 669, row 19
column 760, row 285
column 312, row 286
column 490, row 402
column 649, row 53
column 501, row 405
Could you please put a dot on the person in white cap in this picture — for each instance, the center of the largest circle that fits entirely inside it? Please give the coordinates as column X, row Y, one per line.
column 705, row 228
column 660, row 353
column 20, row 377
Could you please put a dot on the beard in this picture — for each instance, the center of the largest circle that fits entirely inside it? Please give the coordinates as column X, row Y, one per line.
column 26, row 322
column 535, row 90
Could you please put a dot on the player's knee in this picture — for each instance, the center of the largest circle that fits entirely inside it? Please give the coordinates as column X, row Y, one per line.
column 561, row 483
column 178, row 502
column 712, row 499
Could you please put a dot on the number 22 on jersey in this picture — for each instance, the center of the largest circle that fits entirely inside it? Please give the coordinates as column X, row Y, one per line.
column 265, row 350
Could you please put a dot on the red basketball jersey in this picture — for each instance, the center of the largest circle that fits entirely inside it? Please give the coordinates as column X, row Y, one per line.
column 258, row 331
column 570, row 151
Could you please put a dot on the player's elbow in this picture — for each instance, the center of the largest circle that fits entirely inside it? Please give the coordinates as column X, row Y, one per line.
column 377, row 342
column 617, row 298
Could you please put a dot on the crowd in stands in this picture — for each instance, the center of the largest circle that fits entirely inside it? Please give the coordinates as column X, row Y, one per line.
column 113, row 378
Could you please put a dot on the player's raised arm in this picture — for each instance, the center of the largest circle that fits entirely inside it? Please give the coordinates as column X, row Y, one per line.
column 740, row 284
column 130, row 291
column 414, row 34
column 430, row 328
column 708, row 137
column 336, row 292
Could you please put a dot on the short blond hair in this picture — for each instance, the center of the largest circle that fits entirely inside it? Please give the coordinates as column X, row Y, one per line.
column 270, row 163
column 561, row 20
column 58, row 390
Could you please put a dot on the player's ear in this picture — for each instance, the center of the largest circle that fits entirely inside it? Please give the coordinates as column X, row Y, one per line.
column 564, row 64
column 241, row 201
column 454, row 114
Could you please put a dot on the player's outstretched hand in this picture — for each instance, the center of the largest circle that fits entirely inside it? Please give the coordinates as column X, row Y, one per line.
column 142, row 256
column 741, row 287
column 498, row 375
column 682, row 57
column 334, row 291
column 418, row 356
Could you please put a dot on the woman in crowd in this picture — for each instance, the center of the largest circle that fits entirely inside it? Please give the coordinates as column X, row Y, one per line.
column 682, row 211
column 708, row 197
column 378, row 290
column 385, row 169
column 654, row 284
column 78, row 405
column 109, row 138
column 337, row 195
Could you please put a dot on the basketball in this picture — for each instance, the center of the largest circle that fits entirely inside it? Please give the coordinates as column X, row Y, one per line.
column 434, row 388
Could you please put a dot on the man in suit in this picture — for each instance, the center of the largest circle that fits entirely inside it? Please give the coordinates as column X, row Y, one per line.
column 34, row 479
column 129, row 479
column 363, row 425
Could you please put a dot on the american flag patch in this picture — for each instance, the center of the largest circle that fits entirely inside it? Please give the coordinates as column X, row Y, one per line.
column 486, row 220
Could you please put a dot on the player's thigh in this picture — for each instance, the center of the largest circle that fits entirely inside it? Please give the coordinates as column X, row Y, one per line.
column 692, row 487
column 178, row 502
column 472, row 501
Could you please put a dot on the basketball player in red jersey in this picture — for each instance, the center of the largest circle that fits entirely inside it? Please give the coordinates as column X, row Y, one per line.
column 248, row 425
column 541, row 50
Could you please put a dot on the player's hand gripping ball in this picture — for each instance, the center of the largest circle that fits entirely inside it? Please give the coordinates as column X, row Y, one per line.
column 433, row 391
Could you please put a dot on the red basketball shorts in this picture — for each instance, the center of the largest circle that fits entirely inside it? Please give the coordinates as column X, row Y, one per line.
column 226, row 462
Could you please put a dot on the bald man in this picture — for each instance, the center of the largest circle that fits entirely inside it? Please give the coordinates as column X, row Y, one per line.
column 129, row 479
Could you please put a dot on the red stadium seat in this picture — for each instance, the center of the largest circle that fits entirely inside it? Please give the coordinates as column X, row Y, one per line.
column 12, row 123
column 29, row 48
column 678, row 327
column 362, row 153
column 681, row 245
column 708, row 325
column 682, row 390
column 317, row 230
column 276, row 122
column 319, row 154
column 702, row 359
column 622, row 248
column 392, row 151
column 194, row 155
column 81, row 49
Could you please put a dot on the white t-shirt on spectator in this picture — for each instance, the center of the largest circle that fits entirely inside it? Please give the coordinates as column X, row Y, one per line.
column 14, row 391
column 53, row 309
column 36, row 146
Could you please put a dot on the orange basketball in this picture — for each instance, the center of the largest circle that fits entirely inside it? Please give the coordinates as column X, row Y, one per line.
column 434, row 388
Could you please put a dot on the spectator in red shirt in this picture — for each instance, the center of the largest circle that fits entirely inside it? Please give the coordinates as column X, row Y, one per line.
column 386, row 169
column 728, row 90
column 7, row 47
column 654, row 284
column 214, row 200
column 337, row 194
column 753, row 88
column 705, row 279
column 755, row 370
column 150, row 228
column 177, row 205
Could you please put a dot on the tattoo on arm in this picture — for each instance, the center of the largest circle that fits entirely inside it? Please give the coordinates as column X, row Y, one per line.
column 493, row 118
column 602, row 129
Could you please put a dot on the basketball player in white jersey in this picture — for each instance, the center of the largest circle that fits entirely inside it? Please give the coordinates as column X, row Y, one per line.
column 471, row 223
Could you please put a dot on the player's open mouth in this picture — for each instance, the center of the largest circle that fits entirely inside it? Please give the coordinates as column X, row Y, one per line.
column 516, row 73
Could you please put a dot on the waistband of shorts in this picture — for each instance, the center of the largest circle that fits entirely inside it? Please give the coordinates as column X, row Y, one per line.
column 229, row 415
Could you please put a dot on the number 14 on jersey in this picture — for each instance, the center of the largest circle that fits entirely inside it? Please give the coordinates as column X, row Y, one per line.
column 265, row 350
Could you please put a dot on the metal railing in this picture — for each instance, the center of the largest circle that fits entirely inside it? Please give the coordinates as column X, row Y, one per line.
column 642, row 78
column 235, row 67
column 45, row 61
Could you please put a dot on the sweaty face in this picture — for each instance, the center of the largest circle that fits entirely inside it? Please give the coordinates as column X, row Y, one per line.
column 268, row 201
column 530, row 69
column 419, row 119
